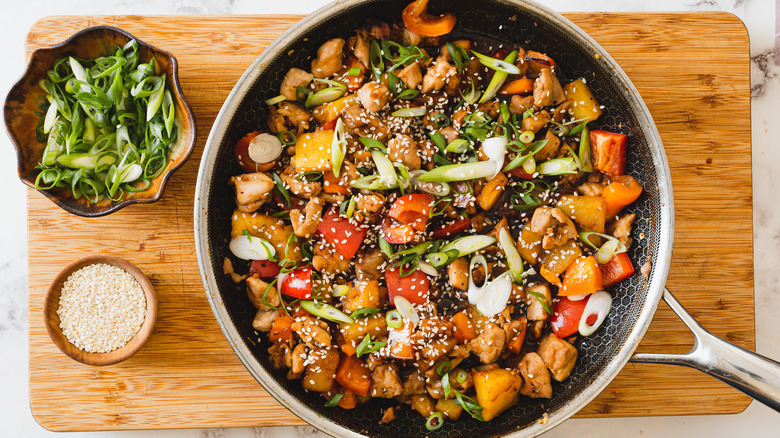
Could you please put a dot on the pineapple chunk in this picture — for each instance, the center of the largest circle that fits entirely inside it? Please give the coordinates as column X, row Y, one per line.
column 497, row 389
column 312, row 151
column 558, row 259
column 331, row 110
column 588, row 211
column 529, row 245
column 583, row 104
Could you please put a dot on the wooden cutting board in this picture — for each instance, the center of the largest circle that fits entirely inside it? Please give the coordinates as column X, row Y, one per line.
column 692, row 69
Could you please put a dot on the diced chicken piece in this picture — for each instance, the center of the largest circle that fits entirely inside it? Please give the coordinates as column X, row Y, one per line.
column 520, row 104
column 414, row 384
column 590, row 189
column 297, row 362
column 388, row 415
column 305, row 223
column 256, row 288
column 534, row 309
column 621, row 228
column 489, row 344
column 409, row 37
column 328, row 59
column 295, row 114
column 411, row 75
column 370, row 265
column 535, row 122
column 252, row 190
column 547, row 89
column 558, row 355
column 368, row 206
column 355, row 117
column 327, row 260
column 561, row 110
column 403, row 149
column 536, row 378
column 264, row 319
column 458, row 272
column 550, row 150
column 277, row 354
column 437, row 75
column 294, row 78
column 300, row 187
column 362, row 48
column 377, row 29
column 276, row 122
column 555, row 227
column 387, row 383
column 312, row 331
column 374, row 96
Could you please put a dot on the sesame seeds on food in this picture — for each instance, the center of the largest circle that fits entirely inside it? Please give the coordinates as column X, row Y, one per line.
column 101, row 308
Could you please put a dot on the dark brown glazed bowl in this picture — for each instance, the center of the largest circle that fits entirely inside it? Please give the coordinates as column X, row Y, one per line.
column 22, row 111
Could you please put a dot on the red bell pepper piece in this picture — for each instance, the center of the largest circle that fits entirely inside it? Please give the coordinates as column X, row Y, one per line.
column 344, row 235
column 519, row 172
column 452, row 228
column 565, row 320
column 414, row 210
column 297, row 283
column 241, row 150
column 329, row 125
column 264, row 268
column 617, row 269
column 582, row 277
column 400, row 341
column 415, row 287
column 396, row 234
column 608, row 152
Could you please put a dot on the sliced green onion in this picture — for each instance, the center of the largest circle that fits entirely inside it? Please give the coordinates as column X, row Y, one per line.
column 435, row 421
column 394, row 319
column 247, row 247
column 506, row 66
column 459, row 55
column 385, row 246
column 458, row 146
column 326, row 311
column 367, row 346
column 275, row 100
column 351, row 207
column 499, row 77
column 529, row 166
column 324, row 96
column 334, row 401
column 375, row 60
column 461, row 376
column 579, row 128
column 155, row 101
column 415, row 111
column 86, row 161
column 584, row 155
column 339, row 290
column 338, row 148
column 469, row 244
column 279, row 186
column 611, row 247
column 444, row 368
column 459, row 172
column 364, row 312
column 513, row 258
column 542, row 300
column 417, row 250
column 469, row 405
column 408, row 94
column 388, row 177
column 441, row 259
column 287, row 138
column 441, row 120
column 371, row 143
column 473, row 94
column 527, row 137
column 558, row 166
column 446, row 385
column 354, row 71
column 526, row 158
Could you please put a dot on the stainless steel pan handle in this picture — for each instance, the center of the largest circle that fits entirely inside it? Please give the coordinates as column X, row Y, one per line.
column 751, row 373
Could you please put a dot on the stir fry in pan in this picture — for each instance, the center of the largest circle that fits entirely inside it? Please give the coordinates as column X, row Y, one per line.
column 430, row 219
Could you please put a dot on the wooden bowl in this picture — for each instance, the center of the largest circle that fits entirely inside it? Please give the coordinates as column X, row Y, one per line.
column 26, row 101
column 52, row 320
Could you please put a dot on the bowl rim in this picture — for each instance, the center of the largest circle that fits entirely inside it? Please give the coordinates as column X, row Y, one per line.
column 614, row 364
column 113, row 206
column 112, row 357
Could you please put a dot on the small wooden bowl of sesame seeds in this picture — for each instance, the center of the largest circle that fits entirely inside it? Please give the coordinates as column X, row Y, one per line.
column 100, row 310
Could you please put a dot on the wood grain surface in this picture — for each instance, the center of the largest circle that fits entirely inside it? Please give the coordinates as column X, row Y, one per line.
column 693, row 71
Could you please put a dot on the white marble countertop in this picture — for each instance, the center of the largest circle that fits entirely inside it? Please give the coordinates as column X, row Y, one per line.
column 758, row 15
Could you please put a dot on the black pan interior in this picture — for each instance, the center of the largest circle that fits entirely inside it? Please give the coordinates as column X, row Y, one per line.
column 505, row 22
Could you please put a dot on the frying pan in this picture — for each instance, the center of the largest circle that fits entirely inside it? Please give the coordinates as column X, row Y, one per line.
column 601, row 356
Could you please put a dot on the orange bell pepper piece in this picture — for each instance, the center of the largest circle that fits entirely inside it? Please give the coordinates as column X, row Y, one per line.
column 582, row 277
column 621, row 192
column 400, row 341
column 332, row 184
column 417, row 19
column 518, row 86
column 550, row 276
column 464, row 329
column 617, row 269
column 353, row 374
column 517, row 336
column 281, row 330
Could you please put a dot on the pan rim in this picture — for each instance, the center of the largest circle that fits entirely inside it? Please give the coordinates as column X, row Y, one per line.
column 615, row 364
